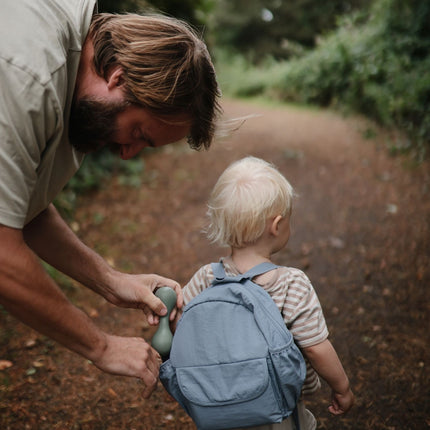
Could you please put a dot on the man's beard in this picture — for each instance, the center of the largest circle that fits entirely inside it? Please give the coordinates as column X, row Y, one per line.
column 93, row 123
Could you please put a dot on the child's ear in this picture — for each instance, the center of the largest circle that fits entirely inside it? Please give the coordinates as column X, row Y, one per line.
column 274, row 226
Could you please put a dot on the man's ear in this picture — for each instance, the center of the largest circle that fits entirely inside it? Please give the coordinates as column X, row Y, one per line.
column 274, row 226
column 115, row 78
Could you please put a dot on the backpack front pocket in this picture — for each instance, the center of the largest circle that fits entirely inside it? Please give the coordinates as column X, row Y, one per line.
column 224, row 383
column 226, row 396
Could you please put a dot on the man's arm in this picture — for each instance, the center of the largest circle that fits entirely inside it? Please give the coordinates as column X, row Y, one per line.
column 29, row 294
column 53, row 241
column 34, row 298
column 325, row 361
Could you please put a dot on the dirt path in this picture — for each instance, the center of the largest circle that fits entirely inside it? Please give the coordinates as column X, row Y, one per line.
column 360, row 230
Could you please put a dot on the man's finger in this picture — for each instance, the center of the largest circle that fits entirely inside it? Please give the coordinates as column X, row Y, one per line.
column 150, row 378
column 150, row 317
column 155, row 305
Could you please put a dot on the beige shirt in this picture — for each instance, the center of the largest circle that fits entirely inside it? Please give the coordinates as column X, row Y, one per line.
column 40, row 48
column 295, row 298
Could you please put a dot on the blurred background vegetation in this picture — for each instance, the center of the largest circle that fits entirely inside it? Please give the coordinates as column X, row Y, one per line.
column 365, row 56
column 360, row 56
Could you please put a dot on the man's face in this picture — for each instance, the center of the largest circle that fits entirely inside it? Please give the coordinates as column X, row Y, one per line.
column 127, row 128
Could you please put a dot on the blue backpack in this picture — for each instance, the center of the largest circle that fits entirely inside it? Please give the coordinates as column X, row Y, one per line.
column 233, row 363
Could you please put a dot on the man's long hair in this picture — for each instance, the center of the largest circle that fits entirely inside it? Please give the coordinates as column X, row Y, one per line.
column 166, row 68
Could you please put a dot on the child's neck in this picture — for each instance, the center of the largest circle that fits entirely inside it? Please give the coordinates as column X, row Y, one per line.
column 248, row 257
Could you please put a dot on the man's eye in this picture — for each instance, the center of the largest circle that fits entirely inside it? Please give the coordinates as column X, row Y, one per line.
column 137, row 134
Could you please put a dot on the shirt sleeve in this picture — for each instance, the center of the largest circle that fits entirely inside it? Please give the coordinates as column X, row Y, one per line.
column 302, row 311
column 24, row 113
column 200, row 281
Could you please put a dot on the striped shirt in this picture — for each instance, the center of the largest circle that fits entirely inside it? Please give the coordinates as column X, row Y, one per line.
column 296, row 299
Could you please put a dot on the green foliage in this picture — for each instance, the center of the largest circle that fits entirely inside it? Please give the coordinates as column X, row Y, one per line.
column 193, row 11
column 261, row 28
column 238, row 78
column 376, row 64
column 96, row 169
column 121, row 6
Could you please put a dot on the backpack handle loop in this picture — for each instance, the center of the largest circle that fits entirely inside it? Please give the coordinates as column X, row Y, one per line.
column 259, row 269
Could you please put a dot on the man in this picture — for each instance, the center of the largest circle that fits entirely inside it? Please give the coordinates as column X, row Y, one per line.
column 71, row 82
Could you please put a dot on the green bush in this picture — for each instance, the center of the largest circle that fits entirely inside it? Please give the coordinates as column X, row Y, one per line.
column 375, row 63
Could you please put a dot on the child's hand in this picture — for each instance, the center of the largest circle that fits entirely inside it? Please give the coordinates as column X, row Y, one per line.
column 341, row 403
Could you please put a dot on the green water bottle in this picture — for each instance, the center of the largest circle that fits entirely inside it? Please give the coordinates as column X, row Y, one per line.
column 162, row 339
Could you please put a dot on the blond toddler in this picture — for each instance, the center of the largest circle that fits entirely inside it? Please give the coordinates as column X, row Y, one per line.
column 249, row 211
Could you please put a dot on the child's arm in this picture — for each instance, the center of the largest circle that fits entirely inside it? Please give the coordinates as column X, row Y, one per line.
column 325, row 361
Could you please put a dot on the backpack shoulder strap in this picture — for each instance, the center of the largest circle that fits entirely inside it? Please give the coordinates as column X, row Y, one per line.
column 259, row 269
column 218, row 270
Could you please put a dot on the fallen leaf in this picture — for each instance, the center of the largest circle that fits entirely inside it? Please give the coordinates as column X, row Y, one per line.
column 360, row 311
column 30, row 343
column 112, row 392
column 306, row 248
column 94, row 313
column 336, row 242
column 5, row 364
column 391, row 209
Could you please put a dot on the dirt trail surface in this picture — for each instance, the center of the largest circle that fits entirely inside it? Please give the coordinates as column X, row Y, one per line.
column 360, row 230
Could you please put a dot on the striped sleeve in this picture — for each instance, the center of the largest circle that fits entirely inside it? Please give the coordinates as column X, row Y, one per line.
column 296, row 298
column 302, row 310
column 200, row 281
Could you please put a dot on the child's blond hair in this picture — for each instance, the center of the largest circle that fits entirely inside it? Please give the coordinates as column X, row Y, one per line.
column 246, row 195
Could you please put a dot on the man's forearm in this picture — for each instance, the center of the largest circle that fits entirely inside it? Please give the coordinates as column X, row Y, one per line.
column 29, row 294
column 54, row 242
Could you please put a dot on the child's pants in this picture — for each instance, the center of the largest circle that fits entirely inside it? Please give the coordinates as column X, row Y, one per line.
column 306, row 419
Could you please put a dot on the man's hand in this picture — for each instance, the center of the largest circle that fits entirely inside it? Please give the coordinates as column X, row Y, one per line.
column 130, row 356
column 137, row 291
